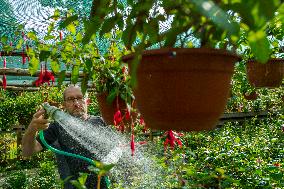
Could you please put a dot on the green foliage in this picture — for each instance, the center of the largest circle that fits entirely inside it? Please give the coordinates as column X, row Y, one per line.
column 18, row 180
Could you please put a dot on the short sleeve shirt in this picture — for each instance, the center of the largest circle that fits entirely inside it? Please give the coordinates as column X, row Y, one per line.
column 68, row 166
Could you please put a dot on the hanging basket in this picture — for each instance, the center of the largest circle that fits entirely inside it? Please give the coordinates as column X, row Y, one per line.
column 268, row 75
column 250, row 96
column 183, row 89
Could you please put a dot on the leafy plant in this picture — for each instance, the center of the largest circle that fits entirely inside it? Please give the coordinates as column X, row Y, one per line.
column 18, row 180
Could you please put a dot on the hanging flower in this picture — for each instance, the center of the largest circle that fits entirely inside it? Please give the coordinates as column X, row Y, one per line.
column 11, row 44
column 117, row 118
column 4, row 63
column 4, row 82
column 45, row 76
column 60, row 35
column 172, row 139
column 132, row 144
column 23, row 57
column 127, row 114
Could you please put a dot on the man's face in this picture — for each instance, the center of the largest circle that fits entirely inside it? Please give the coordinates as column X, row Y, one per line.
column 74, row 102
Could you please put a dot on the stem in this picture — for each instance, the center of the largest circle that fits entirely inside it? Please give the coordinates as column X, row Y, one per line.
column 99, row 182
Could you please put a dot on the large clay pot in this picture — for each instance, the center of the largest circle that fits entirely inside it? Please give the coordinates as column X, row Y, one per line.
column 268, row 75
column 183, row 89
column 250, row 96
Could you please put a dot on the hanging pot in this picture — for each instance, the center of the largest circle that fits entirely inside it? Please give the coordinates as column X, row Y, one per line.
column 268, row 75
column 183, row 89
column 250, row 96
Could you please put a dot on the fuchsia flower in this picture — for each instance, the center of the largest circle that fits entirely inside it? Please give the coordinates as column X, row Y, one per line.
column 117, row 118
column 132, row 145
column 127, row 114
column 60, row 35
column 172, row 139
column 277, row 164
column 4, row 82
column 44, row 77
column 11, row 44
column 23, row 57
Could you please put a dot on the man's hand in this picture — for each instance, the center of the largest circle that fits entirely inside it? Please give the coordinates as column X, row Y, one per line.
column 39, row 122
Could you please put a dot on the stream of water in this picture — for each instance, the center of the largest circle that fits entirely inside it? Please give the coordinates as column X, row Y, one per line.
column 110, row 146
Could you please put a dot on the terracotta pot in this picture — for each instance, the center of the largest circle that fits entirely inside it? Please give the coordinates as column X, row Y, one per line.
column 265, row 75
column 108, row 110
column 183, row 89
column 250, row 96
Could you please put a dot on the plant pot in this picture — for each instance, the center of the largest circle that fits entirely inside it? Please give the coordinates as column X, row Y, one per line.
column 183, row 89
column 108, row 110
column 250, row 96
column 265, row 75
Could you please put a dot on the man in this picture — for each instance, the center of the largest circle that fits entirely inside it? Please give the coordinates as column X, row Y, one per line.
column 55, row 135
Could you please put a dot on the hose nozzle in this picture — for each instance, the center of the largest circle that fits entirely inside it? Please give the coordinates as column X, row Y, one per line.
column 50, row 110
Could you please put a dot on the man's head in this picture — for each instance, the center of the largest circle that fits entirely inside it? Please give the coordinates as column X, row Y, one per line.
column 74, row 102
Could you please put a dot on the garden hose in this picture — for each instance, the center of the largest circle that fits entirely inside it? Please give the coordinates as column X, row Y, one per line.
column 62, row 152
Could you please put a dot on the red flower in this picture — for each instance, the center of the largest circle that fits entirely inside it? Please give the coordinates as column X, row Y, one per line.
column 132, row 145
column 141, row 121
column 23, row 57
column 171, row 139
column 11, row 44
column 117, row 118
column 4, row 82
column 45, row 76
column 127, row 114
column 60, row 35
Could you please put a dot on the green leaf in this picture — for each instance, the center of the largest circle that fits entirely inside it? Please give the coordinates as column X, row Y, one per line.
column 4, row 39
column 91, row 28
column 75, row 74
column 44, row 55
column 259, row 45
column 20, row 43
column 111, row 96
column 55, row 66
column 61, row 77
column 89, row 64
column 33, row 65
column 108, row 24
column 84, row 83
column 32, row 36
column 71, row 28
column 68, row 21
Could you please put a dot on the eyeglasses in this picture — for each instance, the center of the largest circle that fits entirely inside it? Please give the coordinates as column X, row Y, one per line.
column 72, row 99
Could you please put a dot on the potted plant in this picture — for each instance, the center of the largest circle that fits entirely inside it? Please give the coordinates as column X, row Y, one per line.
column 177, row 88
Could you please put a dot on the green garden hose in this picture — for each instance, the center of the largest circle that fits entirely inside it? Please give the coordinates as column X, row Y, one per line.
column 62, row 152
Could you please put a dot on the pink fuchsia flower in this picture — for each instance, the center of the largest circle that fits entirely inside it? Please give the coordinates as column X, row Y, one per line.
column 23, row 57
column 132, row 144
column 172, row 140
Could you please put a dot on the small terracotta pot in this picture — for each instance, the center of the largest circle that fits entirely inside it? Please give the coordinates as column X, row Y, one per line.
column 250, row 96
column 268, row 75
column 108, row 109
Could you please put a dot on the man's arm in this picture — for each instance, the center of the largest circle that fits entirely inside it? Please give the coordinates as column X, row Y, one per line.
column 29, row 143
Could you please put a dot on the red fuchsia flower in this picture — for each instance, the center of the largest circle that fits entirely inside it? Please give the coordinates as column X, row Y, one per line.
column 4, row 82
column 11, row 44
column 60, row 35
column 4, row 63
column 121, row 127
column 141, row 121
column 45, row 76
column 48, row 76
column 117, row 118
column 127, row 114
column 132, row 144
column 23, row 57
column 27, row 48
column 172, row 139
